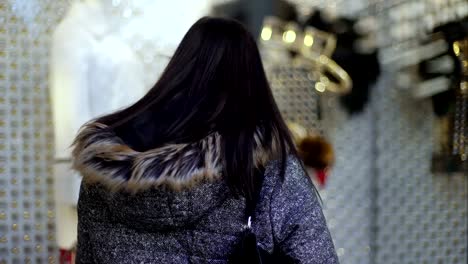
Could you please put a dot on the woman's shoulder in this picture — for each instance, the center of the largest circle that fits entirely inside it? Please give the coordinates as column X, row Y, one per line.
column 295, row 181
column 293, row 169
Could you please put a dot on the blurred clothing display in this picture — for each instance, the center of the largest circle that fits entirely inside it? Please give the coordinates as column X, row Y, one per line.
column 437, row 70
column 356, row 51
column 343, row 49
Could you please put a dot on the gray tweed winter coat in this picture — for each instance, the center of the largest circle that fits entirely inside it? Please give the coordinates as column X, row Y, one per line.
column 171, row 205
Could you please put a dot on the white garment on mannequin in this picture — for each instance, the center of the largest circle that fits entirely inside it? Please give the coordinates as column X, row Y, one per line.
column 157, row 29
column 92, row 72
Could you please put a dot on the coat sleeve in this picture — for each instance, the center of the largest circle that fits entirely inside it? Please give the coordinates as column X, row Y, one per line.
column 299, row 228
column 90, row 212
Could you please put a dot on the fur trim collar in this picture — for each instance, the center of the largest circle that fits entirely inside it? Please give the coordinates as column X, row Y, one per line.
column 100, row 156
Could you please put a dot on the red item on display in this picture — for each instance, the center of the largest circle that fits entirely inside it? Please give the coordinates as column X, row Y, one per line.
column 66, row 256
column 321, row 177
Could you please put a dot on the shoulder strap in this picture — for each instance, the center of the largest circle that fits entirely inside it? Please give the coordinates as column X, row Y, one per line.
column 251, row 204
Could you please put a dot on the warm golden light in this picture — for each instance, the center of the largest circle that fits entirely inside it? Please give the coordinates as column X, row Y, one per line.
column 289, row 36
column 323, row 59
column 266, row 33
column 308, row 40
column 324, row 80
column 320, row 87
column 456, row 48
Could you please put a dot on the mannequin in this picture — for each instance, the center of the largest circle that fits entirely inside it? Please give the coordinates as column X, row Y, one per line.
column 155, row 29
column 92, row 72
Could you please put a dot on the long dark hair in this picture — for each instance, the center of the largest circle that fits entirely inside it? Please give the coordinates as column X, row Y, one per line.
column 215, row 82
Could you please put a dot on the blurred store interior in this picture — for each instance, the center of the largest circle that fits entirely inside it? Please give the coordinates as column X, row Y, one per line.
column 375, row 93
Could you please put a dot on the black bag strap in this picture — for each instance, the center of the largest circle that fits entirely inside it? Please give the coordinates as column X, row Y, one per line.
column 251, row 203
column 250, row 206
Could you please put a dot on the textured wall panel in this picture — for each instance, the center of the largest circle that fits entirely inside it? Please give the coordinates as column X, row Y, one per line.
column 422, row 218
column 295, row 95
column 26, row 195
column 346, row 197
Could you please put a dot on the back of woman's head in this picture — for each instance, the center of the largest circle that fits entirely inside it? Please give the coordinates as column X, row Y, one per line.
column 215, row 82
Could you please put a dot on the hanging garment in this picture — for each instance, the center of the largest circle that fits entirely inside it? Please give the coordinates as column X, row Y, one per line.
column 92, row 73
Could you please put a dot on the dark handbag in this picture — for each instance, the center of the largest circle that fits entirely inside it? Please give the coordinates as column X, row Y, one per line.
column 248, row 251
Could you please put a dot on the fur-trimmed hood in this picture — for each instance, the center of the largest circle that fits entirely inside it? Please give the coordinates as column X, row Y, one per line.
column 171, row 186
column 101, row 156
